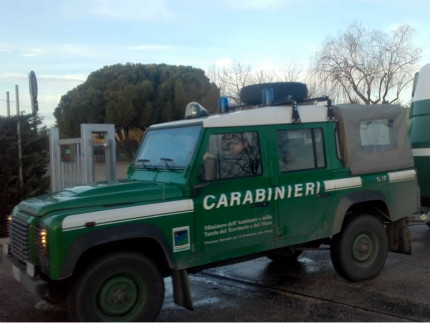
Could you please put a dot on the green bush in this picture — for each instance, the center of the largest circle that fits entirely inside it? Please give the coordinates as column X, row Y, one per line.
column 35, row 157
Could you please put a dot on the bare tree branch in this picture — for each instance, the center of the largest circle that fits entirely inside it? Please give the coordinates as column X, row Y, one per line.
column 370, row 66
column 230, row 80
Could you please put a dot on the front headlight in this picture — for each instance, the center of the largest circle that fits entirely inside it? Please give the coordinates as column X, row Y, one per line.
column 44, row 239
column 9, row 225
column 41, row 240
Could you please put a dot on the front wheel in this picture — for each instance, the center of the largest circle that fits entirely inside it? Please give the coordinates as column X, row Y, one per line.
column 123, row 286
column 360, row 250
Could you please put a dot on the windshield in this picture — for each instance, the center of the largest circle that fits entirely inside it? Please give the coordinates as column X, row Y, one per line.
column 168, row 148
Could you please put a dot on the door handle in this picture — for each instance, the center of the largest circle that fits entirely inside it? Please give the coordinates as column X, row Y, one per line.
column 323, row 194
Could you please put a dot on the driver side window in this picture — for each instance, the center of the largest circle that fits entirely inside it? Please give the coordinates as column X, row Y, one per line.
column 233, row 155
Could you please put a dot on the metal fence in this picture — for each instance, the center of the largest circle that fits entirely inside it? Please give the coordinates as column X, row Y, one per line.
column 72, row 161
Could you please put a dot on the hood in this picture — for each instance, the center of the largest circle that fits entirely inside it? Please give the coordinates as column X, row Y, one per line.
column 101, row 195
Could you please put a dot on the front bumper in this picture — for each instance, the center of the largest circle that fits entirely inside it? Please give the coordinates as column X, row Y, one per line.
column 24, row 273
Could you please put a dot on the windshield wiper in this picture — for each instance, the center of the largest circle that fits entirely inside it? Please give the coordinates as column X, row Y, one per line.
column 145, row 163
column 167, row 161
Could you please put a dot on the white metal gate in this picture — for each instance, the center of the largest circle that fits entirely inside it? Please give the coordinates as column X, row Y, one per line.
column 72, row 161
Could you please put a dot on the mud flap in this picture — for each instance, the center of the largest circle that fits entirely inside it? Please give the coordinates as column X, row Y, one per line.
column 181, row 289
column 399, row 237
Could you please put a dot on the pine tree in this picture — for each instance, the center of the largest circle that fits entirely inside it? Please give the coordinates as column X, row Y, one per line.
column 34, row 147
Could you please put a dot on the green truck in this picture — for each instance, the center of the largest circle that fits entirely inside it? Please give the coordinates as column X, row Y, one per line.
column 419, row 131
column 272, row 177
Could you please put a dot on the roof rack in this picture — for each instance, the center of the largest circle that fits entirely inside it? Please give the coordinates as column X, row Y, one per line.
column 223, row 106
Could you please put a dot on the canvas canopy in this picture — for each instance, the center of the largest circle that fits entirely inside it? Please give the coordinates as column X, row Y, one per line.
column 373, row 138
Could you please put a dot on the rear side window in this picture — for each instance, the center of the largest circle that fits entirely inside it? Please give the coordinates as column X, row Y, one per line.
column 377, row 135
column 300, row 149
column 235, row 154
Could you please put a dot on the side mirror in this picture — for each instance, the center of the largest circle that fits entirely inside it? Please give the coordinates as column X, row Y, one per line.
column 209, row 169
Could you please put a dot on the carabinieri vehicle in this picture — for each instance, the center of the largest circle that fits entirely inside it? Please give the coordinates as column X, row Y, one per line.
column 269, row 178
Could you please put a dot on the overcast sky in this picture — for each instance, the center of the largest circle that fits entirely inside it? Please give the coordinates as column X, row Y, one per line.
column 64, row 41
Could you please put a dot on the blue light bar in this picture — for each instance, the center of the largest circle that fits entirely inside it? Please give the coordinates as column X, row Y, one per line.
column 223, row 105
column 267, row 97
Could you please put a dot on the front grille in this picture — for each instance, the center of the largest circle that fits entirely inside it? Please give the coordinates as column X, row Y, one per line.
column 19, row 239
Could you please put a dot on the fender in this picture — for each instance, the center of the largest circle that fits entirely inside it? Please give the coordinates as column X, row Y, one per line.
column 351, row 199
column 113, row 234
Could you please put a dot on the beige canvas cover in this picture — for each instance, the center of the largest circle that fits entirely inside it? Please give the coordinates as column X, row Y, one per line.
column 373, row 138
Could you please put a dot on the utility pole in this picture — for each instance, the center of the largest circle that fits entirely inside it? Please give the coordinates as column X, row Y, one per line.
column 8, row 104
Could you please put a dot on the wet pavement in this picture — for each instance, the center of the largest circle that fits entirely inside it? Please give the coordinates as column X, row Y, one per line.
column 260, row 290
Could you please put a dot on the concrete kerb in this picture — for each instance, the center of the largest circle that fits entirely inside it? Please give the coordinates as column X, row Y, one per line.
column 3, row 240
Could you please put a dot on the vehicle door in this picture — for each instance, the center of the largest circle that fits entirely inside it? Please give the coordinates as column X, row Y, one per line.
column 302, row 168
column 233, row 214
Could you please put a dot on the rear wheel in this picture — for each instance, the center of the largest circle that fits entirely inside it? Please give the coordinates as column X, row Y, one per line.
column 360, row 250
column 123, row 286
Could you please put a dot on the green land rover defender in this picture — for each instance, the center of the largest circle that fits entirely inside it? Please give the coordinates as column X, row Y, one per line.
column 272, row 177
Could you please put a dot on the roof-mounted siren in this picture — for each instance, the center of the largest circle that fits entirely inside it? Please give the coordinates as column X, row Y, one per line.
column 195, row 110
column 223, row 105
column 267, row 96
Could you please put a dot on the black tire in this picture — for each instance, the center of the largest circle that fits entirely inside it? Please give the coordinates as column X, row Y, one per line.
column 252, row 95
column 359, row 252
column 123, row 286
column 285, row 255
